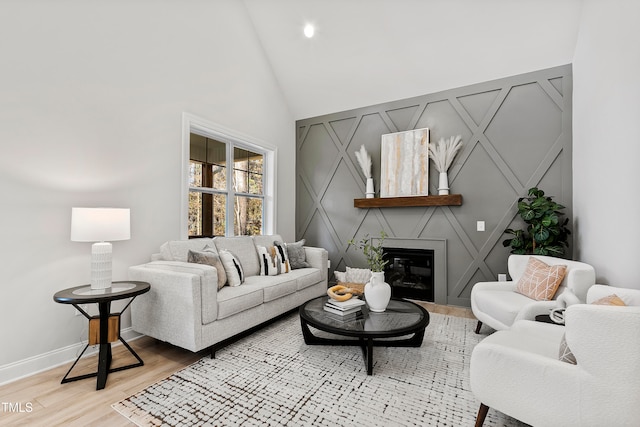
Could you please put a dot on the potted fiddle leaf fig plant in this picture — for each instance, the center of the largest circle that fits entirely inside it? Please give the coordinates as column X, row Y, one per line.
column 546, row 231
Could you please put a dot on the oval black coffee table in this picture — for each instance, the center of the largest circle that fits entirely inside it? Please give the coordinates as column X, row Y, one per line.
column 402, row 318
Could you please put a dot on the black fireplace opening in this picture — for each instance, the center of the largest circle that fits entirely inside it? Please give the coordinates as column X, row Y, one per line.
column 410, row 273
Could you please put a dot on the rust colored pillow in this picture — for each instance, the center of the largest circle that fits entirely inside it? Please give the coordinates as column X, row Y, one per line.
column 610, row 300
column 541, row 281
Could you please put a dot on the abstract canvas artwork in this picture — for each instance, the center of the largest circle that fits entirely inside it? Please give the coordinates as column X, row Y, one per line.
column 405, row 164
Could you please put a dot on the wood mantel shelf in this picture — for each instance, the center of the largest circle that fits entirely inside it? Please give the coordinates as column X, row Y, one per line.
column 389, row 202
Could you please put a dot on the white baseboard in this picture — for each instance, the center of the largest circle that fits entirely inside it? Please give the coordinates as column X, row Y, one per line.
column 43, row 362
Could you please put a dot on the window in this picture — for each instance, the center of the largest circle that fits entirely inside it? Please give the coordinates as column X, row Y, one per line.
column 229, row 185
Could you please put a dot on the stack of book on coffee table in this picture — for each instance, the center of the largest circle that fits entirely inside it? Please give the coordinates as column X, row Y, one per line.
column 344, row 310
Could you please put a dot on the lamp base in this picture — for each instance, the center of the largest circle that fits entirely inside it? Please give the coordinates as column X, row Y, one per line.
column 101, row 265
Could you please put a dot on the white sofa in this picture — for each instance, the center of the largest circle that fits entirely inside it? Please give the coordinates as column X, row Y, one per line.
column 519, row 372
column 498, row 305
column 184, row 306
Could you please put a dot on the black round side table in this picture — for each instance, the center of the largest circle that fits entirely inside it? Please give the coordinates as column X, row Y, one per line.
column 105, row 328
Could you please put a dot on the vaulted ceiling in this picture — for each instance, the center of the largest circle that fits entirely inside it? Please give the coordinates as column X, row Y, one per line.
column 371, row 51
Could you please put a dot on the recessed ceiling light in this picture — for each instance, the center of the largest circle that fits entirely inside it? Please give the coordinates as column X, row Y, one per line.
column 309, row 31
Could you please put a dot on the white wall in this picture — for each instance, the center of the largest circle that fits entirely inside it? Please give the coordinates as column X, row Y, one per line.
column 606, row 144
column 92, row 94
column 361, row 47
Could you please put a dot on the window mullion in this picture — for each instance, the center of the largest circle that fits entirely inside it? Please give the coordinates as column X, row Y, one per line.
column 231, row 195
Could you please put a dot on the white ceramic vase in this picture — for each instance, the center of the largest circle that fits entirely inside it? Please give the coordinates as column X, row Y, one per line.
column 377, row 292
column 443, row 184
column 369, row 191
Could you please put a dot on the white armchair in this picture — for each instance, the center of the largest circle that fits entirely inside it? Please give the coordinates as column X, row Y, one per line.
column 498, row 305
column 518, row 371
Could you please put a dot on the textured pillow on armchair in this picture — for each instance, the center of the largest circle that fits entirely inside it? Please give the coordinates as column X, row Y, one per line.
column 540, row 281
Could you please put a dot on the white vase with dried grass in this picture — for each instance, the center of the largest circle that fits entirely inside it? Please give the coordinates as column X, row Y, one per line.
column 364, row 160
column 442, row 153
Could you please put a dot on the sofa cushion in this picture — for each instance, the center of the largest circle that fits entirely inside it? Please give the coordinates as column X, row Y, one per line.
column 178, row 250
column 504, row 305
column 232, row 267
column 540, row 281
column 232, row 300
column 305, row 277
column 283, row 258
column 297, row 255
column 267, row 240
column 209, row 256
column 244, row 250
column 268, row 260
column 274, row 287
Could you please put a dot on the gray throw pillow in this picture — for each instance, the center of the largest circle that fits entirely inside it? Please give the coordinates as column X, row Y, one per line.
column 297, row 255
column 565, row 354
column 211, row 258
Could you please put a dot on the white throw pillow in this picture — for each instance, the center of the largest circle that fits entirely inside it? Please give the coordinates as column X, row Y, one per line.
column 233, row 268
column 341, row 276
column 268, row 260
column 358, row 275
column 283, row 258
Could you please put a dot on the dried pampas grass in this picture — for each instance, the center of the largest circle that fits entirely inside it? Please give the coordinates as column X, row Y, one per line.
column 443, row 152
column 364, row 159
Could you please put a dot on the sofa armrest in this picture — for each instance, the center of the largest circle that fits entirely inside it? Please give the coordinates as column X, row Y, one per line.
column 494, row 286
column 504, row 375
column 318, row 258
column 181, row 267
column 173, row 309
column 535, row 308
column 628, row 295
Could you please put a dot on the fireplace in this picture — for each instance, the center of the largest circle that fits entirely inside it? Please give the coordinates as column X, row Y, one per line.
column 410, row 272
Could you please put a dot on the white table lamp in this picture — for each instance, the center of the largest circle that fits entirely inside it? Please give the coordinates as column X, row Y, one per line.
column 100, row 225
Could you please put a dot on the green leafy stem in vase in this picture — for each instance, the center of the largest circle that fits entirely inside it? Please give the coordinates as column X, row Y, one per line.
column 373, row 253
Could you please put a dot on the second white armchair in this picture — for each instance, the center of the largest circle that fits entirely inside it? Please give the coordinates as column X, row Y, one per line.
column 520, row 371
column 498, row 305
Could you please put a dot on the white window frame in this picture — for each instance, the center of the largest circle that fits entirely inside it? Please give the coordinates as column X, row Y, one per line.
column 198, row 125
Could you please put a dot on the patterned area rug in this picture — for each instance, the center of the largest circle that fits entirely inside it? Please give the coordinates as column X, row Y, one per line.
column 272, row 378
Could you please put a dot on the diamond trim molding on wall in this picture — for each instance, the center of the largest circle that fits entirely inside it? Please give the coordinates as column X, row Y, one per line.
column 516, row 134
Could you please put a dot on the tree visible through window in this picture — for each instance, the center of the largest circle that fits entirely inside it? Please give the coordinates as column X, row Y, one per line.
column 215, row 190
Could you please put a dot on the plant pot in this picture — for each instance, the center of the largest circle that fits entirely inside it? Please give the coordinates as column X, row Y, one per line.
column 377, row 292
column 443, row 184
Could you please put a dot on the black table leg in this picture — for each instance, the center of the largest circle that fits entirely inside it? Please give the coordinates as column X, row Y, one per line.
column 365, row 344
column 370, row 356
column 306, row 333
column 104, row 356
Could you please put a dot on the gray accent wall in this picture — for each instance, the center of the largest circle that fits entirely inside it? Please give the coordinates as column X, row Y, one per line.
column 516, row 133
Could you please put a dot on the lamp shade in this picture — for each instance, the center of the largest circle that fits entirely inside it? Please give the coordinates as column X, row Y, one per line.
column 100, row 224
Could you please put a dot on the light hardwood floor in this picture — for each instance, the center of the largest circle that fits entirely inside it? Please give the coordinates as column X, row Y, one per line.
column 80, row 404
